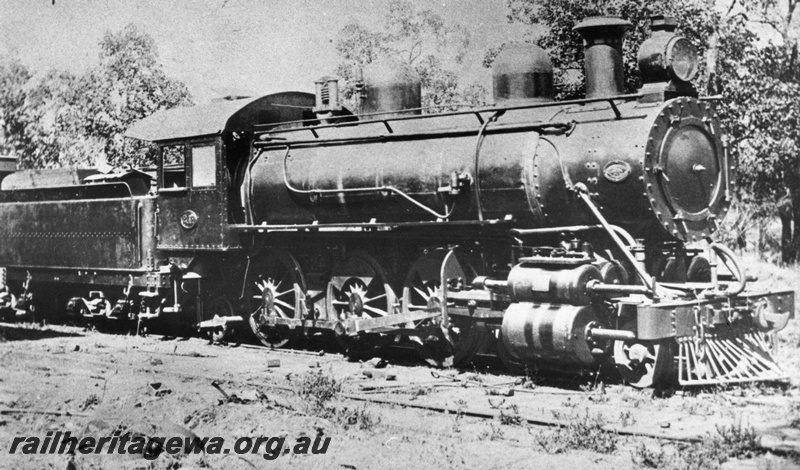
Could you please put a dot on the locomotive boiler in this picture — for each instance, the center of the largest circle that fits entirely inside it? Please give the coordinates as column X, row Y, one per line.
column 554, row 234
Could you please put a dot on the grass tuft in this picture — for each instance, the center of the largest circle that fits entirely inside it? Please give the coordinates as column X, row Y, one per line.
column 319, row 391
column 730, row 442
column 582, row 432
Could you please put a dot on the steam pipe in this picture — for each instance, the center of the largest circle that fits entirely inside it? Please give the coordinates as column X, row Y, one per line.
column 583, row 193
column 596, row 287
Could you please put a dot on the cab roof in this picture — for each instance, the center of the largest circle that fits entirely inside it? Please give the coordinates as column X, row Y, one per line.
column 221, row 116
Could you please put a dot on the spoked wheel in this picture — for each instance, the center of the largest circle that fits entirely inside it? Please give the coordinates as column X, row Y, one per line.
column 276, row 289
column 220, row 307
column 359, row 288
column 645, row 364
column 460, row 340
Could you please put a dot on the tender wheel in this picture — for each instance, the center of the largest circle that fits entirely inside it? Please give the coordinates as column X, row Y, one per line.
column 360, row 288
column 645, row 364
column 422, row 291
column 276, row 289
column 220, row 307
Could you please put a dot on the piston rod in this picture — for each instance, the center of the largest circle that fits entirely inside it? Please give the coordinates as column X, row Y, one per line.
column 611, row 335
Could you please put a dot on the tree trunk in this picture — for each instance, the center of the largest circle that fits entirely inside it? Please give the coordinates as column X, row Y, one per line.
column 794, row 191
column 785, row 212
column 759, row 239
column 786, row 234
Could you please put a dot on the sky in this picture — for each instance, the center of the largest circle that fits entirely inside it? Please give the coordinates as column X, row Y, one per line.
column 222, row 47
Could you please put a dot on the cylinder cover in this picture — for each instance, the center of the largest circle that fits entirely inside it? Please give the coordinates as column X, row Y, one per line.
column 549, row 332
column 544, row 284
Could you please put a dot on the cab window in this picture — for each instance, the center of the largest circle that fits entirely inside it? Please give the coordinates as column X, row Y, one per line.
column 204, row 166
column 173, row 168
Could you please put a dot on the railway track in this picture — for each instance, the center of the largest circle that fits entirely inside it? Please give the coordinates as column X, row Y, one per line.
column 478, row 396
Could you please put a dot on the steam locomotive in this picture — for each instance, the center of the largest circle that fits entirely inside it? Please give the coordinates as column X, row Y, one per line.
column 560, row 234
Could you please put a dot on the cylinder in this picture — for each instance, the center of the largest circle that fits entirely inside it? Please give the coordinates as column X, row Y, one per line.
column 550, row 332
column 602, row 41
column 543, row 284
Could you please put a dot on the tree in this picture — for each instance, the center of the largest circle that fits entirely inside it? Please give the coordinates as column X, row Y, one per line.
column 761, row 107
column 696, row 21
column 420, row 39
column 33, row 112
column 759, row 83
column 129, row 85
column 64, row 119
column 13, row 77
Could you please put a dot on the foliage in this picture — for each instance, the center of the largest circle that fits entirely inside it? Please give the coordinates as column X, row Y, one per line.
column 13, row 77
column 510, row 418
column 762, row 99
column 319, row 391
column 63, row 119
column 645, row 457
column 730, row 442
column 417, row 38
column 696, row 21
column 130, row 86
column 582, row 431
column 357, row 417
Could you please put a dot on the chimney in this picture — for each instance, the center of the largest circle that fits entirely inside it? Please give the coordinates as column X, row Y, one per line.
column 602, row 42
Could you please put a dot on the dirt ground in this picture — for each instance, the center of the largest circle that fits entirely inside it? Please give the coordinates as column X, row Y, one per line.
column 394, row 413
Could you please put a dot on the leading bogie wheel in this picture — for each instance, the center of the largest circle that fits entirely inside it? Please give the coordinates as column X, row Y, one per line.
column 646, row 364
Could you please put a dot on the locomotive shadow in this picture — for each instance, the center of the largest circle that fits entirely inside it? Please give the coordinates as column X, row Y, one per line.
column 487, row 366
column 563, row 378
column 30, row 332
